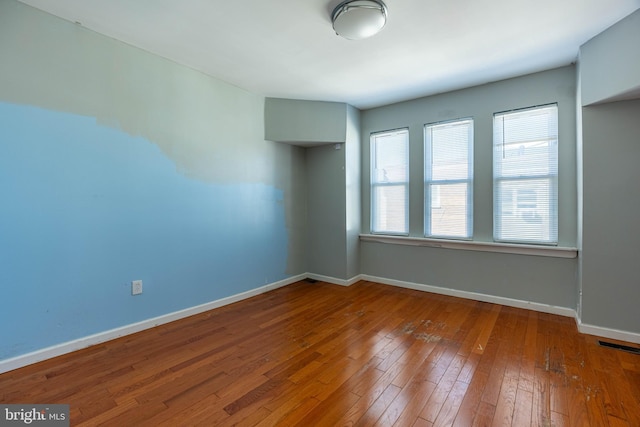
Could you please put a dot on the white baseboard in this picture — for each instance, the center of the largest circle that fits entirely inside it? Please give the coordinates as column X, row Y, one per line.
column 70, row 346
column 614, row 334
column 80, row 343
column 334, row 280
column 544, row 308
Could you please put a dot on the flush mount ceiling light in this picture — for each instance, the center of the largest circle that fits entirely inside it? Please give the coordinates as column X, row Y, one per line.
column 359, row 19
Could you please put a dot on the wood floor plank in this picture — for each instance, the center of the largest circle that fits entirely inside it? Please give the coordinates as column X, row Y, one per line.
column 480, row 344
column 631, row 403
column 469, row 406
column 506, row 402
column 411, row 400
column 484, row 416
column 329, row 411
column 368, row 398
column 523, row 408
column 421, row 422
column 105, row 416
column 289, row 414
column 469, row 369
column 541, row 408
column 528, row 361
column 198, row 412
column 451, row 405
column 558, row 420
column 378, row 407
column 417, row 354
column 469, row 341
column 321, row 354
column 496, row 377
column 445, row 385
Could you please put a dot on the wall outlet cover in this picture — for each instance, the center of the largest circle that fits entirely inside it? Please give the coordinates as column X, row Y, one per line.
column 136, row 287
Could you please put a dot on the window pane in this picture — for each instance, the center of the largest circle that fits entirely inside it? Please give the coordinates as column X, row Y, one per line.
column 391, row 209
column 448, row 179
column 525, row 164
column 449, row 216
column 526, row 143
column 450, row 151
column 525, row 211
column 389, row 182
column 391, row 153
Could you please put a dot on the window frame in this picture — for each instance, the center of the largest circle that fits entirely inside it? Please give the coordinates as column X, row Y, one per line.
column 552, row 178
column 374, row 184
column 429, row 181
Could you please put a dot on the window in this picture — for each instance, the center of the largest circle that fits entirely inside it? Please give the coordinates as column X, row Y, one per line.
column 525, row 175
column 448, row 179
column 390, row 182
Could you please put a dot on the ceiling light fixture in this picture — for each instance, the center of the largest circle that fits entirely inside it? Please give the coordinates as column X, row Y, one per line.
column 359, row 19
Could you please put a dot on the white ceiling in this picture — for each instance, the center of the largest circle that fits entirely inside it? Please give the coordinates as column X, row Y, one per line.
column 287, row 48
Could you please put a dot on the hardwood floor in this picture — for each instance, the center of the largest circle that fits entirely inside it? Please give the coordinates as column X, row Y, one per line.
column 325, row 355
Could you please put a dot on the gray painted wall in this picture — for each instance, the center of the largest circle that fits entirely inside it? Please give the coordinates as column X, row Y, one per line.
column 608, row 154
column 305, row 123
column 610, row 63
column 580, row 183
column 330, row 131
column 611, row 254
column 542, row 280
column 537, row 279
column 326, row 205
column 353, row 194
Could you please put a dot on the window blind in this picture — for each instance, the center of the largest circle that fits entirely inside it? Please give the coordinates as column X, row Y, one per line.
column 525, row 175
column 390, row 182
column 449, row 179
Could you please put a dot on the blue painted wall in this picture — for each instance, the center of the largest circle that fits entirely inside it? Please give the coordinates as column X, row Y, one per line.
column 85, row 209
column 118, row 165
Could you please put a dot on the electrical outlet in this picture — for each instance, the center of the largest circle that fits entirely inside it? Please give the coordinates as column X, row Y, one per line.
column 136, row 287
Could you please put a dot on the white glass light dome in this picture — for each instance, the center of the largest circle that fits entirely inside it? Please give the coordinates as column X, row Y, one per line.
column 359, row 19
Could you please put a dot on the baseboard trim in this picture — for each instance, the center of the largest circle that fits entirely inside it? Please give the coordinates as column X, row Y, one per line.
column 84, row 342
column 334, row 280
column 614, row 334
column 583, row 328
column 78, row 344
column 544, row 308
column 535, row 306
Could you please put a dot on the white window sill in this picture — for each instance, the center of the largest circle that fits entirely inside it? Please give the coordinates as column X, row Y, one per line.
column 505, row 248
